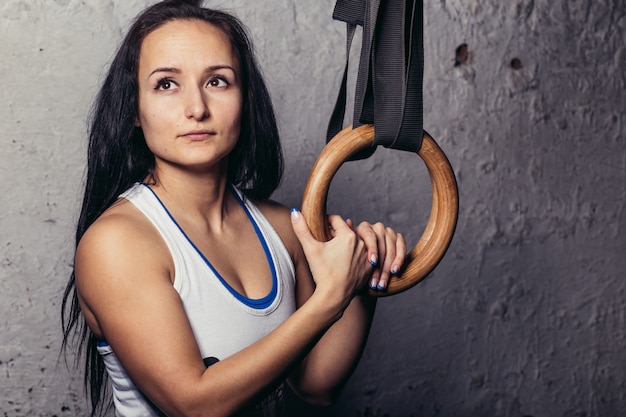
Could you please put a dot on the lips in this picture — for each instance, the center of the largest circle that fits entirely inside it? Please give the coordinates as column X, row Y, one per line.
column 198, row 134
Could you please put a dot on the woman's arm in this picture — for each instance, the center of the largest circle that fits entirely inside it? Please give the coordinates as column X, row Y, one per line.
column 323, row 373
column 124, row 272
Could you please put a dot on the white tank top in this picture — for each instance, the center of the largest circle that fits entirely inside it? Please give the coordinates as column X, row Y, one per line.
column 223, row 321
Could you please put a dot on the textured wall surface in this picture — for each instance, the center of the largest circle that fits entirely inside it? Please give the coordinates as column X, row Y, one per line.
column 525, row 316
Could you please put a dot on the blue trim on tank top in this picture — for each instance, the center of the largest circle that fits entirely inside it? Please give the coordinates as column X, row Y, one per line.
column 260, row 303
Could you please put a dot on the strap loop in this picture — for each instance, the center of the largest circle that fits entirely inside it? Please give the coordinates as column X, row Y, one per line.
column 389, row 80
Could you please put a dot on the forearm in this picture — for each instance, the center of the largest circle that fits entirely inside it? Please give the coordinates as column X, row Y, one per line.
column 234, row 382
column 326, row 369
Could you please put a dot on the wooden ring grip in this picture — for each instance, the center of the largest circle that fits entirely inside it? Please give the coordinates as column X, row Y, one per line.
column 436, row 238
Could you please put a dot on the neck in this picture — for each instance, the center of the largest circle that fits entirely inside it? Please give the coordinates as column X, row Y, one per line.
column 193, row 197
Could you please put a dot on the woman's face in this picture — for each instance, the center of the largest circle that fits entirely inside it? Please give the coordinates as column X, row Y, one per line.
column 190, row 96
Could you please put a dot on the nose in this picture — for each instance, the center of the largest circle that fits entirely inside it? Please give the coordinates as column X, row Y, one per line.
column 197, row 106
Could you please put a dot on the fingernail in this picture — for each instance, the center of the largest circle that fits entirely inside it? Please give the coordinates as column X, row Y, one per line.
column 395, row 269
column 373, row 283
column 373, row 260
column 381, row 285
column 295, row 214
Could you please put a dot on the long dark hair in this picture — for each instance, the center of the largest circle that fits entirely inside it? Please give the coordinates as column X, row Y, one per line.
column 118, row 155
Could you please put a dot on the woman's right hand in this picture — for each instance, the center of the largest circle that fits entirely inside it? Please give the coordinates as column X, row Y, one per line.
column 341, row 266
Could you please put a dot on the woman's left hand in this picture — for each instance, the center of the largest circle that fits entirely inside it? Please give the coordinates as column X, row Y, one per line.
column 386, row 250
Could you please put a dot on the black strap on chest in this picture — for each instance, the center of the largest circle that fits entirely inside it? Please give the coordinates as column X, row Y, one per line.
column 390, row 75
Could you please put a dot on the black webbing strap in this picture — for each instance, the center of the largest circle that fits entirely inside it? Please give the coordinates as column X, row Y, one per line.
column 389, row 81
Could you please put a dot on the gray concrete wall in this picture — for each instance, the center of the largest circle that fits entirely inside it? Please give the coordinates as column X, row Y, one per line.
column 526, row 314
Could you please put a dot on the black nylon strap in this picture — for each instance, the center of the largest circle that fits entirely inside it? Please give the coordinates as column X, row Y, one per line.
column 390, row 75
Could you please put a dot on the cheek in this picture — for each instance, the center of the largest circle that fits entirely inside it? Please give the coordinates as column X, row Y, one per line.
column 154, row 129
column 151, row 111
column 152, row 121
column 236, row 114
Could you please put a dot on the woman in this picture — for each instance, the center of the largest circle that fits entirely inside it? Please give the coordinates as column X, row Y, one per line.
column 195, row 293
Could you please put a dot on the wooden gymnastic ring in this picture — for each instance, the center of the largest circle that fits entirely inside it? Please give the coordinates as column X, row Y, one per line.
column 436, row 238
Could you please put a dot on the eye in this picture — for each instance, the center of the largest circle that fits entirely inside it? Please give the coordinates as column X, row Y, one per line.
column 164, row 84
column 218, row 81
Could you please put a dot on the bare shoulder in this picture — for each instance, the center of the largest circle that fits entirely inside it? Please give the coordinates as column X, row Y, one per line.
column 120, row 233
column 279, row 216
column 120, row 225
column 121, row 252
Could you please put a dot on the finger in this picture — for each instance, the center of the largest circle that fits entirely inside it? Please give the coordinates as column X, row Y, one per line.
column 400, row 254
column 366, row 232
column 390, row 256
column 382, row 240
column 337, row 223
column 374, row 279
column 372, row 236
column 301, row 229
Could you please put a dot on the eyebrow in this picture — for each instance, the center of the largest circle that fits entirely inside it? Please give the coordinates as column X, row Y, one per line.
column 208, row 69
column 165, row 69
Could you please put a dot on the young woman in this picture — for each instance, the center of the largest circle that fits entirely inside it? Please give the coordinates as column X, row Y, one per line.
column 191, row 291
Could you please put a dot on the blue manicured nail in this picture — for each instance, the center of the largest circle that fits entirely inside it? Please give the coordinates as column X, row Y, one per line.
column 373, row 260
column 295, row 215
